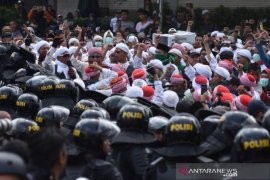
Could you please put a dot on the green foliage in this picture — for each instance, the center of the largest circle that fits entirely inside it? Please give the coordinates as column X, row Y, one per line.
column 104, row 22
column 7, row 14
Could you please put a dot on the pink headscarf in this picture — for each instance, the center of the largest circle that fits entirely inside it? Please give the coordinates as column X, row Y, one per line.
column 242, row 101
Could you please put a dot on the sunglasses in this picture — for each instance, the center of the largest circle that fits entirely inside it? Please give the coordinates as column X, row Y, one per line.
column 97, row 57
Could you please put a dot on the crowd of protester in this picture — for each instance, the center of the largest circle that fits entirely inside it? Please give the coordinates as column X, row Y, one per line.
column 80, row 102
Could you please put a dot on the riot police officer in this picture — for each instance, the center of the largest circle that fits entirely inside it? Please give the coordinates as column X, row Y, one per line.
column 129, row 146
column 218, row 145
column 251, row 145
column 182, row 137
column 92, row 137
column 28, row 105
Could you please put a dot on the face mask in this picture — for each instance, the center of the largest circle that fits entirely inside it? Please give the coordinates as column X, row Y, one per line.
column 256, row 57
column 264, row 82
column 108, row 40
column 163, row 58
column 98, row 44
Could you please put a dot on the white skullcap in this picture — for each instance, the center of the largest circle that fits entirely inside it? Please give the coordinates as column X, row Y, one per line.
column 40, row 44
column 220, row 34
column 176, row 51
column 214, row 33
column 223, row 73
column 245, row 53
column 144, row 54
column 123, row 47
column 152, row 50
column 61, row 51
column 139, row 82
column 187, row 46
column 156, row 63
column 97, row 37
column 71, row 40
column 134, row 92
column 222, row 49
column 170, row 98
column 132, row 39
column 204, row 70
column 205, row 11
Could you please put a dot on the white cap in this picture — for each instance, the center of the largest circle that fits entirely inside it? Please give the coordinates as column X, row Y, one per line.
column 156, row 63
column 71, row 40
column 152, row 50
column 139, row 82
column 134, row 92
column 223, row 72
column 61, row 51
column 187, row 46
column 132, row 39
column 157, row 123
column 170, row 98
column 176, row 51
column 204, row 70
column 214, row 33
column 205, row 11
column 222, row 49
column 123, row 47
column 40, row 44
column 245, row 53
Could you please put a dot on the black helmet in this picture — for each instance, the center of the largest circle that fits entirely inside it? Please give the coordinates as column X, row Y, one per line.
column 28, row 105
column 89, row 134
column 133, row 117
column 23, row 128
column 183, row 128
column 33, row 85
column 66, row 88
column 12, row 164
column 209, row 125
column 17, row 58
column 157, row 123
column 231, row 122
column 83, row 105
column 251, row 144
column 47, row 87
column 182, row 137
column 9, row 95
column 52, row 116
column 229, row 125
column 92, row 114
column 114, row 103
column 3, row 50
column 266, row 120
column 104, row 112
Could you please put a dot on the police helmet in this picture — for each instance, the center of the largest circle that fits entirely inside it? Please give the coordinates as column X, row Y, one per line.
column 133, row 117
column 114, row 103
column 105, row 113
column 183, row 128
column 17, row 59
column 23, row 128
column 208, row 125
column 33, row 85
column 266, row 120
column 231, row 122
column 251, row 144
column 52, row 116
column 9, row 95
column 47, row 87
column 89, row 134
column 66, row 88
column 28, row 105
column 3, row 50
column 157, row 123
column 83, row 105
column 12, row 164
column 92, row 113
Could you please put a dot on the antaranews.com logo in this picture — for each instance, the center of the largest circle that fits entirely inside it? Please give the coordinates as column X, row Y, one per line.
column 225, row 172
